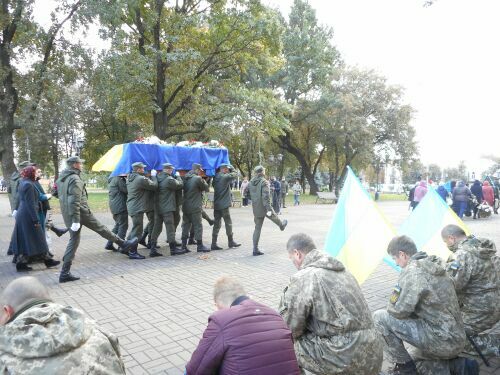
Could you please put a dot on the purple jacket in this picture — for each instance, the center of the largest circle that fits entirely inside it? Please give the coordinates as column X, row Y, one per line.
column 246, row 339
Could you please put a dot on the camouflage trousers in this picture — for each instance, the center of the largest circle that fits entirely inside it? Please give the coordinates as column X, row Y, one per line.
column 168, row 219
column 488, row 344
column 121, row 224
column 218, row 216
column 396, row 332
column 259, row 221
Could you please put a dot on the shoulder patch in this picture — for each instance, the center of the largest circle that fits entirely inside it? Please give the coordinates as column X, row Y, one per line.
column 396, row 291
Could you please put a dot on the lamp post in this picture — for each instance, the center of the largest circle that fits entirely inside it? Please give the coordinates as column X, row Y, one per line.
column 78, row 145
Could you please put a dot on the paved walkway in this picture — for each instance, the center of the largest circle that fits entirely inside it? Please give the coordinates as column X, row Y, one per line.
column 159, row 307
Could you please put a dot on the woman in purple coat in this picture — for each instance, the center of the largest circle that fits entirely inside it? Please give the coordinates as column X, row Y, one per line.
column 28, row 239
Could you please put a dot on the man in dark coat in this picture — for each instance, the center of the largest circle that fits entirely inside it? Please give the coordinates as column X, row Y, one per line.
column 284, row 191
column 166, row 206
column 194, row 186
column 243, row 337
column 276, row 194
column 138, row 188
column 28, row 239
column 76, row 213
column 261, row 206
column 222, row 201
column 477, row 190
column 117, row 190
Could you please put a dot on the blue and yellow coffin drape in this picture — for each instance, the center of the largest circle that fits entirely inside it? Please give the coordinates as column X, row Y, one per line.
column 119, row 159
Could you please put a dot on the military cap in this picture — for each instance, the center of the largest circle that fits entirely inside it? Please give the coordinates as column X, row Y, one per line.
column 138, row 164
column 259, row 169
column 168, row 165
column 74, row 159
column 197, row 166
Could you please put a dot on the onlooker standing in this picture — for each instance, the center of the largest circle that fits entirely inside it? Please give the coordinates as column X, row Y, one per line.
column 28, row 238
column 243, row 337
column 297, row 190
column 477, row 190
column 443, row 193
column 39, row 336
column 329, row 318
column 420, row 192
column 117, row 191
column 244, row 192
column 461, row 195
column 488, row 193
column 411, row 197
column 276, row 194
column 284, row 191
column 15, row 179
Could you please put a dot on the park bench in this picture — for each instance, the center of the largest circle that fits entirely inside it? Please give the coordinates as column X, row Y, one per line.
column 326, row 196
column 235, row 202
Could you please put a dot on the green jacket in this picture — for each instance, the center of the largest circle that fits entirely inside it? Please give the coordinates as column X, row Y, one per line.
column 15, row 180
column 260, row 196
column 194, row 186
column 222, row 189
column 138, row 187
column 72, row 195
column 168, row 186
column 117, row 187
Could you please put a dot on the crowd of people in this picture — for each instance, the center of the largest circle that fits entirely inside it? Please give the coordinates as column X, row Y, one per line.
column 158, row 197
column 437, row 317
column 478, row 200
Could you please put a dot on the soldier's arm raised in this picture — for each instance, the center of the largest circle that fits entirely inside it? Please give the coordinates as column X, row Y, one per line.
column 203, row 184
column 148, row 184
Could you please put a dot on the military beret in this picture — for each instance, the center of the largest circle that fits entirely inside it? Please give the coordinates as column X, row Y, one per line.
column 168, row 165
column 196, row 166
column 74, row 159
column 138, row 164
column 259, row 169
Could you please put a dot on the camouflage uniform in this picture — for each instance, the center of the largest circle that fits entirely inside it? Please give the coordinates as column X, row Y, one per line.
column 330, row 320
column 472, row 268
column 47, row 338
column 423, row 311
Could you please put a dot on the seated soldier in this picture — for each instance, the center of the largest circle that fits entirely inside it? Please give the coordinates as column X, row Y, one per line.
column 422, row 312
column 329, row 318
column 473, row 268
column 38, row 336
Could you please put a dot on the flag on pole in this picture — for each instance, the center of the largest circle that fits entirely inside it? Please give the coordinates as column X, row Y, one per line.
column 359, row 233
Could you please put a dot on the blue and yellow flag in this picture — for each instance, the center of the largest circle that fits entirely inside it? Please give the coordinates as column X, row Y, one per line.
column 359, row 233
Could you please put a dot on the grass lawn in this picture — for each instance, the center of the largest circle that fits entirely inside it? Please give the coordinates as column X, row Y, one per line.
column 98, row 200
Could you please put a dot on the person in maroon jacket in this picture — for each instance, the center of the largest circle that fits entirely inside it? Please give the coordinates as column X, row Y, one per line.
column 243, row 337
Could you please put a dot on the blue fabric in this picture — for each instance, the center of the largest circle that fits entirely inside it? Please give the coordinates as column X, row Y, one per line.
column 477, row 190
column 181, row 157
column 443, row 193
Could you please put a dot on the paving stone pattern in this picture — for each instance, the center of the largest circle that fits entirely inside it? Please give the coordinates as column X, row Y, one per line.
column 158, row 307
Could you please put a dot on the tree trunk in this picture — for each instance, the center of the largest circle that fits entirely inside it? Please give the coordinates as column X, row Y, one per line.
column 7, row 154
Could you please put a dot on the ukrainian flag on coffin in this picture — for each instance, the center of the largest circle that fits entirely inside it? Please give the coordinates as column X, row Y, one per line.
column 425, row 223
column 359, row 233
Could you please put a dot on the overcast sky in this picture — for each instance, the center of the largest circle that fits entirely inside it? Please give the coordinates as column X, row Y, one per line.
column 446, row 56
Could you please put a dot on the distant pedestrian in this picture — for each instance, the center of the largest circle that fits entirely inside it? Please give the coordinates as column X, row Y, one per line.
column 243, row 337
column 297, row 190
column 477, row 190
column 411, row 197
column 460, row 196
column 244, row 192
column 443, row 193
column 276, row 194
column 488, row 193
column 420, row 192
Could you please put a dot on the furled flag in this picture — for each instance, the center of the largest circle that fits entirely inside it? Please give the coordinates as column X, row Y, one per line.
column 425, row 223
column 359, row 233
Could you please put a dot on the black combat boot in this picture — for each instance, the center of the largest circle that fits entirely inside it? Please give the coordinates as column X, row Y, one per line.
column 200, row 248
column 153, row 253
column 231, row 243
column 174, row 250
column 65, row 275
column 51, row 262
column 191, row 239
column 128, row 245
column 142, row 240
column 211, row 222
column 135, row 255
column 283, row 224
column 58, row 231
column 23, row 267
column 184, row 246
column 257, row 252
column 109, row 246
column 214, row 245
